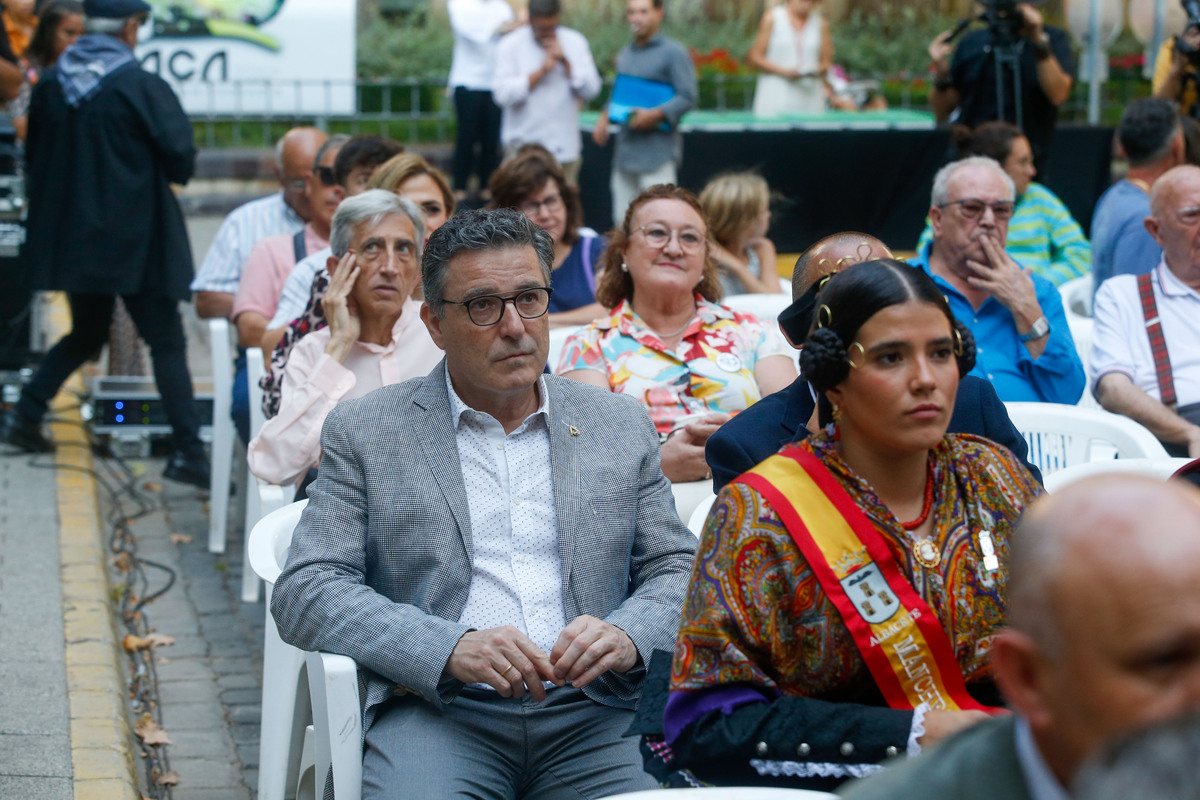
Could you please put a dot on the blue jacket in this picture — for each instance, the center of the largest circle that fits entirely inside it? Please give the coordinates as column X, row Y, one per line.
column 778, row 419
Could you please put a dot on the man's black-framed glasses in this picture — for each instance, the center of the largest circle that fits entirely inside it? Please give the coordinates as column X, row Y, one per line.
column 972, row 208
column 488, row 309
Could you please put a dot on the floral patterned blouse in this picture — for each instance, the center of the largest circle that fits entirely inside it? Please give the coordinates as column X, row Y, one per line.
column 712, row 369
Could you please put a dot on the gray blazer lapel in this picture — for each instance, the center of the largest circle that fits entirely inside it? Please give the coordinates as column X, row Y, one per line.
column 564, row 467
column 436, row 435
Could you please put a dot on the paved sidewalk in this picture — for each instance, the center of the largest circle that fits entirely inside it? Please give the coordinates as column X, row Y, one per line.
column 65, row 723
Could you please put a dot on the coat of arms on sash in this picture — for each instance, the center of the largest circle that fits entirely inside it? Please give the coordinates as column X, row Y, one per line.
column 870, row 594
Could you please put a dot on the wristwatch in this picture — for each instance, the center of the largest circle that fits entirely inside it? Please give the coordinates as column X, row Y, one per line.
column 1041, row 327
column 1041, row 47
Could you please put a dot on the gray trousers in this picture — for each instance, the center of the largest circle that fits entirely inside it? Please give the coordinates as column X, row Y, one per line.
column 482, row 746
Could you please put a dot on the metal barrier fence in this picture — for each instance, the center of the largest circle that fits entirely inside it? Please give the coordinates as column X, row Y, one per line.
column 255, row 113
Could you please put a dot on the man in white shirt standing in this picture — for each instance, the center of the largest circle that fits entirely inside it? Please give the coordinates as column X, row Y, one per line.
column 544, row 73
column 477, row 26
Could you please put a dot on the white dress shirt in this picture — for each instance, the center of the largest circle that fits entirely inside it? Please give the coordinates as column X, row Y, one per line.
column 1120, row 342
column 244, row 227
column 298, row 288
column 476, row 25
column 547, row 114
column 516, row 571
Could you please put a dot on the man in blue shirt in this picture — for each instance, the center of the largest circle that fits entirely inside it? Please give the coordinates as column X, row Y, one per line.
column 1023, row 344
column 1151, row 136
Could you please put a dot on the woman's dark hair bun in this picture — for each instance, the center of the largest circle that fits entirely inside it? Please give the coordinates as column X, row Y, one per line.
column 966, row 359
column 823, row 359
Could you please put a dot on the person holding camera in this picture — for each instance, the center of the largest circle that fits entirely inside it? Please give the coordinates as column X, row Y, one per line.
column 1017, row 69
column 1175, row 67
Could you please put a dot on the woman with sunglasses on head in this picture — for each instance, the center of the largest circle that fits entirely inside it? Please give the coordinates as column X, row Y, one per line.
column 533, row 182
column 1042, row 234
column 667, row 342
column 846, row 589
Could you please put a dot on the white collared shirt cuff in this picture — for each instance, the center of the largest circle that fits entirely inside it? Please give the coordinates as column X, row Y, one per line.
column 918, row 729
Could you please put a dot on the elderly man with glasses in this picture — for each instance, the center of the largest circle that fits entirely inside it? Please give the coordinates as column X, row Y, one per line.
column 496, row 547
column 1024, row 346
column 374, row 338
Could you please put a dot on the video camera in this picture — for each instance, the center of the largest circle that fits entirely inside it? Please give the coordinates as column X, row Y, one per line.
column 1005, row 21
column 1192, row 9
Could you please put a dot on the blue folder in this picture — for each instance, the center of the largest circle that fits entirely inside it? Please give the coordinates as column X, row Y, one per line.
column 630, row 92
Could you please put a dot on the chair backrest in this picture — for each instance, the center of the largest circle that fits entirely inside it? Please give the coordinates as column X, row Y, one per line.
column 767, row 307
column 1081, row 334
column 1061, row 436
column 1153, row 467
column 1077, row 296
column 558, row 339
column 700, row 514
column 220, row 346
column 255, row 369
column 269, row 540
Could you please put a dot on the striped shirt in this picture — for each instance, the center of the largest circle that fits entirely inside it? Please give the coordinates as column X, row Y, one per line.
column 246, row 226
column 1042, row 235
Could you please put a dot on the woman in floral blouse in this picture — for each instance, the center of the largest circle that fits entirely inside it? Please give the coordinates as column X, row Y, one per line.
column 667, row 341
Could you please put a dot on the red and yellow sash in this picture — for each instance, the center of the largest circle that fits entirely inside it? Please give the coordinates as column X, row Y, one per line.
column 899, row 636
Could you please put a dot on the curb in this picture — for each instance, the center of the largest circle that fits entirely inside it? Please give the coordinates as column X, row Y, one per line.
column 102, row 746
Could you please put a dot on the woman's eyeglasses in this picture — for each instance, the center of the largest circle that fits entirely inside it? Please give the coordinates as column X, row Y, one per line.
column 690, row 241
column 553, row 204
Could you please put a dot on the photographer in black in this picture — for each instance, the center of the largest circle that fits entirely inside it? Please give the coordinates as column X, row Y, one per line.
column 1017, row 69
column 1175, row 68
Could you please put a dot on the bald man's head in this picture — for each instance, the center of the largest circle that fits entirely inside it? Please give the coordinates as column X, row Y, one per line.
column 1104, row 613
column 1164, row 195
column 833, row 253
column 1174, row 221
column 295, row 153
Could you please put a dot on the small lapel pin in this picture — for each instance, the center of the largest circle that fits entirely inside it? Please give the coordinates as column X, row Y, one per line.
column 574, row 431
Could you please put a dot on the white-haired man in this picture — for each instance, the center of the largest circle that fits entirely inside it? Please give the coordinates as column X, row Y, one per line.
column 1146, row 351
column 374, row 338
column 1024, row 346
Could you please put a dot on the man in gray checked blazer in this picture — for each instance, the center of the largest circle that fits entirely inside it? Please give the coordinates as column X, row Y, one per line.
column 497, row 548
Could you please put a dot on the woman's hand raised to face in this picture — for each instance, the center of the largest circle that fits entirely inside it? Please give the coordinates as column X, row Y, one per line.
column 344, row 326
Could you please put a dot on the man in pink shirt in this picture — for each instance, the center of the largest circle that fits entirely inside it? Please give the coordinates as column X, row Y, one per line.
column 375, row 336
column 273, row 258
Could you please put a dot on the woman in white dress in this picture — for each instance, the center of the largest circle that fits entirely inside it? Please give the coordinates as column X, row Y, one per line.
column 792, row 51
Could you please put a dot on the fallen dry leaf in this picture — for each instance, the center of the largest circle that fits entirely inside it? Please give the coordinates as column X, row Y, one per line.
column 180, row 538
column 150, row 733
column 150, row 486
column 133, row 642
column 123, row 561
column 169, row 779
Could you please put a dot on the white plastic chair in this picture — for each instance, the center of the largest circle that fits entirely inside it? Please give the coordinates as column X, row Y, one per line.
column 1081, row 333
column 725, row 793
column 689, row 494
column 286, row 705
column 1152, row 467
column 1077, row 296
column 558, row 339
column 1061, row 436
column 700, row 514
column 261, row 497
column 335, row 735
column 767, row 307
column 220, row 344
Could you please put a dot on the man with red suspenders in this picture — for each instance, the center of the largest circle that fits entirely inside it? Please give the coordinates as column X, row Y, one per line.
column 1146, row 347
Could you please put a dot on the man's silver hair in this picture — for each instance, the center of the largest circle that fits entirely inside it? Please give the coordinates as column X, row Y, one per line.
column 370, row 208
column 475, row 231
column 279, row 156
column 337, row 140
column 941, row 181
